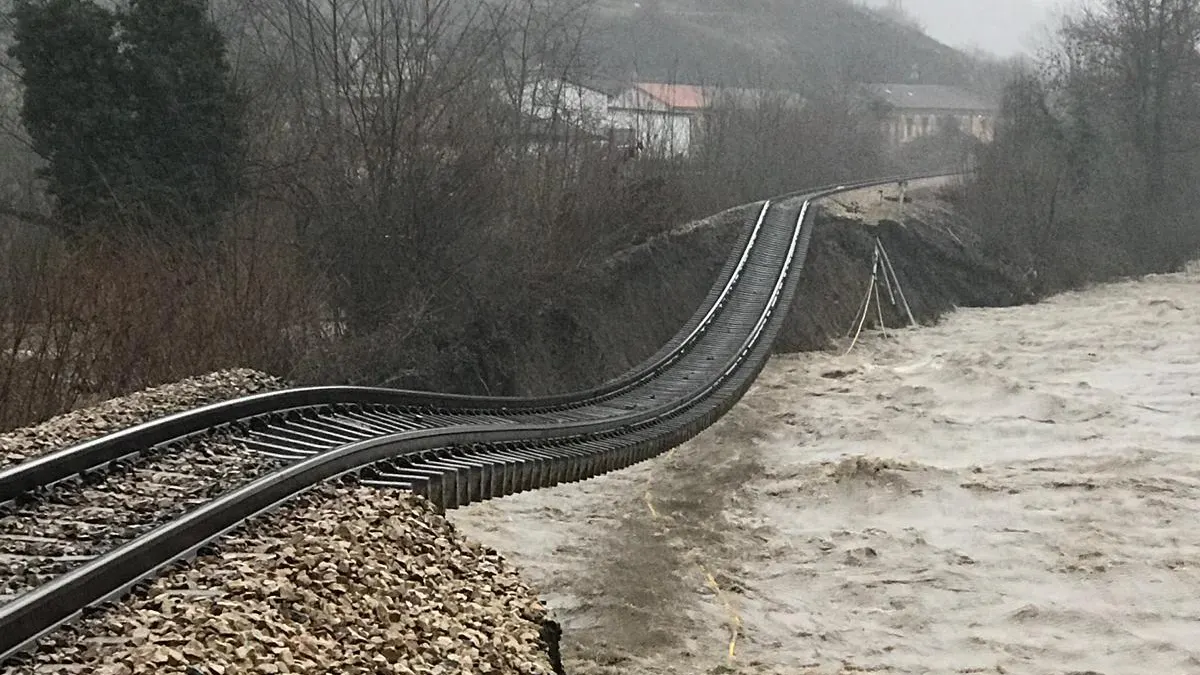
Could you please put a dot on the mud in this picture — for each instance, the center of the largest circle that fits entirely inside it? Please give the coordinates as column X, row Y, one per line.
column 935, row 254
column 1009, row 491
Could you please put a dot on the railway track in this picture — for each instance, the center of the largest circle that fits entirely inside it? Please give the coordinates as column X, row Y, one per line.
column 172, row 485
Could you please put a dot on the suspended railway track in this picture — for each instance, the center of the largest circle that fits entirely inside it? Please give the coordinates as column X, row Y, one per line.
column 56, row 561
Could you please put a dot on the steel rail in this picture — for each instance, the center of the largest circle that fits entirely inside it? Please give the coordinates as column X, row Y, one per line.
column 36, row 612
column 58, row 465
column 561, row 444
column 45, row 470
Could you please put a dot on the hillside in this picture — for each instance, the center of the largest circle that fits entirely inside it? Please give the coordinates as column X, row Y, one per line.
column 787, row 42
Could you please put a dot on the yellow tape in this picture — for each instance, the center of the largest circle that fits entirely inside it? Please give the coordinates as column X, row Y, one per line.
column 650, row 505
column 735, row 620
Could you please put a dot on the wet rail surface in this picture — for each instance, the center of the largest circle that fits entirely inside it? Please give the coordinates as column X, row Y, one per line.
column 84, row 524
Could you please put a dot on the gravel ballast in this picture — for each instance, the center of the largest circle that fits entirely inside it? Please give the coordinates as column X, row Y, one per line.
column 62, row 528
column 77, row 520
column 115, row 414
column 343, row 580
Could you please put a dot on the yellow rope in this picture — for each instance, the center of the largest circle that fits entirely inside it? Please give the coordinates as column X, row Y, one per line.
column 735, row 619
column 865, row 311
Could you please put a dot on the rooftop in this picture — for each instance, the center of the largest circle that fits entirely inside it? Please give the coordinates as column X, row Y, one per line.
column 604, row 85
column 676, row 96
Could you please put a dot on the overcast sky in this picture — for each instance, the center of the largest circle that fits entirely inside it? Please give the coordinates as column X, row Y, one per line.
column 1003, row 27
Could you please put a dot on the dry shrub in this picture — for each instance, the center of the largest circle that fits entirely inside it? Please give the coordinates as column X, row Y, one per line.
column 103, row 317
column 450, row 308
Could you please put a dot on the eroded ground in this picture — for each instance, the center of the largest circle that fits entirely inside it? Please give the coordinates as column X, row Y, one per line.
column 1013, row 491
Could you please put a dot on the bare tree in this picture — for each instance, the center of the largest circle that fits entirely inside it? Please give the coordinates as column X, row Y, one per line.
column 1138, row 59
column 768, row 139
column 1091, row 172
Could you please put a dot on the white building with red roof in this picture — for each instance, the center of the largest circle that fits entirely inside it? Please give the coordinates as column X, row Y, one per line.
column 664, row 118
column 659, row 119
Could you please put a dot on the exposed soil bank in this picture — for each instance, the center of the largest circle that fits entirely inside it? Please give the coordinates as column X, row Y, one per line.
column 618, row 314
column 609, row 317
column 936, row 259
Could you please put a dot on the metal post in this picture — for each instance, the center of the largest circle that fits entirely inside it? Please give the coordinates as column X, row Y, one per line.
column 887, row 262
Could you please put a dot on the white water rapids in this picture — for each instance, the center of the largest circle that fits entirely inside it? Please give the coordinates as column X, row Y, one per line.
column 1010, row 491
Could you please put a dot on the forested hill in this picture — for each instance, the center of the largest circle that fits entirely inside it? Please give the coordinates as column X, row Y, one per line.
column 780, row 41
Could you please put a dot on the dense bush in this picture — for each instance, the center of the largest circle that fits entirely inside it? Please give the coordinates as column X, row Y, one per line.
column 98, row 317
column 133, row 111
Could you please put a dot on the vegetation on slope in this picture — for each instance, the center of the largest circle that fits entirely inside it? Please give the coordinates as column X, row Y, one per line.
column 799, row 42
column 1093, row 171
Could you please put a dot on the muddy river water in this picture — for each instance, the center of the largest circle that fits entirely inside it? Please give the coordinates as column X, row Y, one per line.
column 1010, row 491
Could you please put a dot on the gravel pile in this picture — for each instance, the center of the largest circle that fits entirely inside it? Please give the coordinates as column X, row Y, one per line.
column 340, row 581
column 118, row 413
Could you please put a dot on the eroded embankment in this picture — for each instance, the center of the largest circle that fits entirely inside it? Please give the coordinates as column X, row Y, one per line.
column 607, row 317
column 618, row 313
column 936, row 258
column 614, row 315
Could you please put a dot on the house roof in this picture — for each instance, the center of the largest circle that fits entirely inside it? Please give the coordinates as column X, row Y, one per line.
column 930, row 97
column 677, row 96
column 690, row 98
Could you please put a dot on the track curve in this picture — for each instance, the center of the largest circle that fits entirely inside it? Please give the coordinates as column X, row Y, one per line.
column 452, row 449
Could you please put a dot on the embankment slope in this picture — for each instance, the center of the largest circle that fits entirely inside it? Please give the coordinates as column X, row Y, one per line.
column 617, row 313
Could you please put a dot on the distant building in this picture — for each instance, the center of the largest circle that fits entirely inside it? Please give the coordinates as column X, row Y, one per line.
column 918, row 110
column 670, row 119
column 652, row 118
column 664, row 118
column 583, row 103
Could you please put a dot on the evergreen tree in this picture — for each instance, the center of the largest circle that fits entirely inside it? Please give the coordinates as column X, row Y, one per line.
column 75, row 106
column 135, row 111
column 188, row 113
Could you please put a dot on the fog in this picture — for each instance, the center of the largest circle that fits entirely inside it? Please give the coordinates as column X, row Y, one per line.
column 1003, row 27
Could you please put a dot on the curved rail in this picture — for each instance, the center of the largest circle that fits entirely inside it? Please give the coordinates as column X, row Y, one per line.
column 48, row 469
column 52, row 467
column 495, row 455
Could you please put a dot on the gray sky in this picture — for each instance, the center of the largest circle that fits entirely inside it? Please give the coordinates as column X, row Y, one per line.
column 1003, row 27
